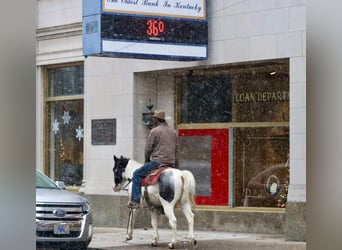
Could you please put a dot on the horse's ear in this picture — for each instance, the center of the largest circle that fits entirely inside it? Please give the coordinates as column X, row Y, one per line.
column 115, row 158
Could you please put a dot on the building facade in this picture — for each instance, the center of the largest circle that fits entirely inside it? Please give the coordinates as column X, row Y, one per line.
column 240, row 114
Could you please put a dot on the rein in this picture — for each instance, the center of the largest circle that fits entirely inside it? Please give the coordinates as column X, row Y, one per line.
column 125, row 187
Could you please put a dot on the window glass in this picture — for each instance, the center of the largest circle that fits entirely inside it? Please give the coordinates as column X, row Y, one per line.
column 261, row 97
column 65, row 81
column 64, row 125
column 261, row 166
column 195, row 156
column 205, row 99
column 43, row 182
column 252, row 101
column 66, row 141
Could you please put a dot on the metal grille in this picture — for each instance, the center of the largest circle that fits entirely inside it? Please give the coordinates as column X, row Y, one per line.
column 47, row 218
column 45, row 212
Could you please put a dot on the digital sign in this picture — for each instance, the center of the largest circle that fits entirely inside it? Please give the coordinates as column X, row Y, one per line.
column 117, row 29
column 155, row 27
column 135, row 28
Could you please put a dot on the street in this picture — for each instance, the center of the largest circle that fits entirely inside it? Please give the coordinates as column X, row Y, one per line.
column 114, row 238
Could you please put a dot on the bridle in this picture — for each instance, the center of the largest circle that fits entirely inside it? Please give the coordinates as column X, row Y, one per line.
column 129, row 180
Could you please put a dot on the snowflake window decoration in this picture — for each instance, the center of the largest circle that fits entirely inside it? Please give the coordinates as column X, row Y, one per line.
column 79, row 133
column 55, row 126
column 66, row 117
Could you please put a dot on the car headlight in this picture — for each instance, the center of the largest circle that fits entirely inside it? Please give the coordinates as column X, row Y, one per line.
column 86, row 207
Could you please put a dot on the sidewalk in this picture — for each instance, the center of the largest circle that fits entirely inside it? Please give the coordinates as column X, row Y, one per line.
column 114, row 238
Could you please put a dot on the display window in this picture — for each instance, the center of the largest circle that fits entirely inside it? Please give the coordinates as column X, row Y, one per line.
column 248, row 104
column 261, row 166
column 64, row 123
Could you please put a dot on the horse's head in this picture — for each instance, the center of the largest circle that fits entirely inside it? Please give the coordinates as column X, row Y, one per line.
column 118, row 171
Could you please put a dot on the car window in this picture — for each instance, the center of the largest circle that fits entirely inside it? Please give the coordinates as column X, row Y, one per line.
column 43, row 181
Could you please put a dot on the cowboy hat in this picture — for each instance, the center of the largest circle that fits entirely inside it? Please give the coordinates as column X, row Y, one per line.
column 158, row 114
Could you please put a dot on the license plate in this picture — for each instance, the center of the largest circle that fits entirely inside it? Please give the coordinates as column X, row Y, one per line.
column 61, row 228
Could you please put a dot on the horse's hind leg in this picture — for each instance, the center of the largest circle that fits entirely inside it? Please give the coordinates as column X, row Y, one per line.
column 154, row 223
column 169, row 212
column 186, row 207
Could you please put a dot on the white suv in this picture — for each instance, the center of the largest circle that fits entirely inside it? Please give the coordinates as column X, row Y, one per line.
column 63, row 219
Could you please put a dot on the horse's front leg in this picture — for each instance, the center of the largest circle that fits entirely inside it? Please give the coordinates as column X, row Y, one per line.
column 129, row 233
column 154, row 223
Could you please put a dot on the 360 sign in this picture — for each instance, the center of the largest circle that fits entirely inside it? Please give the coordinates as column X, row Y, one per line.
column 155, row 27
column 154, row 30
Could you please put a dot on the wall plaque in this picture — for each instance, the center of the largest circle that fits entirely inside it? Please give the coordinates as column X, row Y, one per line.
column 103, row 132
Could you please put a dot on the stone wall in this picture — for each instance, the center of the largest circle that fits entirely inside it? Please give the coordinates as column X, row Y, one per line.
column 295, row 228
column 111, row 211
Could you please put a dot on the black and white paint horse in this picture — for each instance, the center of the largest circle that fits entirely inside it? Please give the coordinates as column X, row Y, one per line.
column 173, row 186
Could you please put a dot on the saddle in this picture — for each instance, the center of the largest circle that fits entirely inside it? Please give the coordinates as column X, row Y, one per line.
column 153, row 177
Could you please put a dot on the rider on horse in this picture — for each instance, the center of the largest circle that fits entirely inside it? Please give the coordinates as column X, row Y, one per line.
column 160, row 149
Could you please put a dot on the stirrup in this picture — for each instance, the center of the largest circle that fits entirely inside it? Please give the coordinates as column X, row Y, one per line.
column 133, row 205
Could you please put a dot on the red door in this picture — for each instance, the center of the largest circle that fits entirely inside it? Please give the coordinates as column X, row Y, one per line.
column 219, row 195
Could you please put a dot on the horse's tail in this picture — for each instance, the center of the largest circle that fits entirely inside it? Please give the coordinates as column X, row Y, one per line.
column 189, row 187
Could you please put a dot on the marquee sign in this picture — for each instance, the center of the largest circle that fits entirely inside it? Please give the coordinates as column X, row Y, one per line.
column 194, row 9
column 167, row 29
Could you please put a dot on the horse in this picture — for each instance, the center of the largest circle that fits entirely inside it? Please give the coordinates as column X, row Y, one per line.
column 174, row 186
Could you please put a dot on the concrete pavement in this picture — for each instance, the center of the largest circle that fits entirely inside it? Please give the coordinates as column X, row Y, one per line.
column 114, row 238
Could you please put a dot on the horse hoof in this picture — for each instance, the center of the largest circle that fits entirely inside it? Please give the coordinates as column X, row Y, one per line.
column 193, row 242
column 128, row 238
column 171, row 245
column 154, row 243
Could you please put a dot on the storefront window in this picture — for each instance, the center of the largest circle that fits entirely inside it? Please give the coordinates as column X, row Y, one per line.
column 261, row 166
column 64, row 124
column 249, row 102
column 261, row 172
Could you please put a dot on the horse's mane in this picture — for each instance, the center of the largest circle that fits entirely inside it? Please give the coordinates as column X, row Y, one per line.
column 134, row 163
column 131, row 166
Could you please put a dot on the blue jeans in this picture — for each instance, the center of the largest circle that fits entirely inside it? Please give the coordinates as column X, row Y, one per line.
column 138, row 174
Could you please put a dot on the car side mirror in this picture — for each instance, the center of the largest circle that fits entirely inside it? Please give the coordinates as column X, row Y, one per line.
column 61, row 184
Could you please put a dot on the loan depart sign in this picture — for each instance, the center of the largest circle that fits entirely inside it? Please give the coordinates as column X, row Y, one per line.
column 155, row 29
